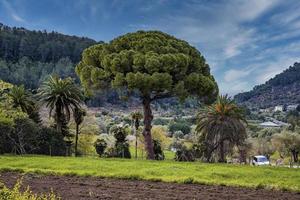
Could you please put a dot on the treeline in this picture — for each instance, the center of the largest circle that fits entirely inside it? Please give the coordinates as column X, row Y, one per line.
column 16, row 43
column 27, row 57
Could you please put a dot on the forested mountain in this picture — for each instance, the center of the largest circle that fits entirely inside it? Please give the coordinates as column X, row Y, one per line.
column 284, row 88
column 27, row 57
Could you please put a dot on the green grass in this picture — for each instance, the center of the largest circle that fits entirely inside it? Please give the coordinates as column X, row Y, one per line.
column 168, row 171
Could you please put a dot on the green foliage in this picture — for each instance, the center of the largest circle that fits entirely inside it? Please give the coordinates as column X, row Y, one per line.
column 158, row 152
column 21, row 98
column 17, row 194
column 287, row 143
column 161, row 121
column 184, row 154
column 179, row 126
column 220, row 124
column 153, row 63
column 62, row 96
column 100, row 146
column 50, row 142
column 159, row 133
column 121, row 145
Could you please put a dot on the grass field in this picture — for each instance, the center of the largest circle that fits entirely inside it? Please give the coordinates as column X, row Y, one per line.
column 168, row 171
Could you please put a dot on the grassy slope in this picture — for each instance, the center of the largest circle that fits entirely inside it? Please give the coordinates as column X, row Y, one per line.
column 169, row 171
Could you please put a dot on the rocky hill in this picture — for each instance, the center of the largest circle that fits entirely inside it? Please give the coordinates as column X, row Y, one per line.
column 283, row 89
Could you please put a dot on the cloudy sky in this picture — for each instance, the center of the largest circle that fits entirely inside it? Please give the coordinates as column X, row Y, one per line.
column 245, row 42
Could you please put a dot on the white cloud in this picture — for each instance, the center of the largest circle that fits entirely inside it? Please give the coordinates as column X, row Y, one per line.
column 12, row 12
column 17, row 18
column 234, row 75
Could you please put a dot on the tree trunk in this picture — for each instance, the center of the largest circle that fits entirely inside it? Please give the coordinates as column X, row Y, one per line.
column 76, row 139
column 136, row 143
column 147, row 128
column 295, row 156
column 58, row 119
column 222, row 156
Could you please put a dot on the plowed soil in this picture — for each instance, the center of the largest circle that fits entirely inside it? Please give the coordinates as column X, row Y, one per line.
column 78, row 188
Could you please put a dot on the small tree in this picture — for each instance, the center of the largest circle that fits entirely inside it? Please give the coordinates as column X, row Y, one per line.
column 287, row 143
column 221, row 124
column 62, row 96
column 23, row 99
column 136, row 117
column 79, row 115
column 153, row 65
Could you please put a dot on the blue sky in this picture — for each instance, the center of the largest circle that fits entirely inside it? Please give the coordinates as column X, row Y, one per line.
column 245, row 42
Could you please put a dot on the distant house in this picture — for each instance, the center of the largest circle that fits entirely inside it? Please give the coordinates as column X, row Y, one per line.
column 269, row 124
column 278, row 108
column 292, row 107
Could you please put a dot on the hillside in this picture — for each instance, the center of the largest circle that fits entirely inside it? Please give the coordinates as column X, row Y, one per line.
column 27, row 57
column 284, row 88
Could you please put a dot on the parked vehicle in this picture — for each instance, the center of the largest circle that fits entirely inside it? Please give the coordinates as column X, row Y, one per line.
column 260, row 160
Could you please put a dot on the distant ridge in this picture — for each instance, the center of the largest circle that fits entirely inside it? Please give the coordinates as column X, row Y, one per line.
column 283, row 89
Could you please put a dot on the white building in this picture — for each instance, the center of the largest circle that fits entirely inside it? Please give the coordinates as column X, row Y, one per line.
column 292, row 107
column 269, row 125
column 278, row 108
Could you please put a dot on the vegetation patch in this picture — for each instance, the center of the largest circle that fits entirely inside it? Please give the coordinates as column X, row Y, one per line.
column 166, row 171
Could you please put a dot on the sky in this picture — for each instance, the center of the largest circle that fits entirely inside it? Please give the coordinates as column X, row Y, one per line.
column 245, row 42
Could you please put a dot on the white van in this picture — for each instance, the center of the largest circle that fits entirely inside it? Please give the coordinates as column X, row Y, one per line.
column 260, row 160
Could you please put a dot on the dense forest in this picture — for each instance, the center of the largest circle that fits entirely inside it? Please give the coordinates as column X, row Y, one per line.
column 282, row 89
column 27, row 57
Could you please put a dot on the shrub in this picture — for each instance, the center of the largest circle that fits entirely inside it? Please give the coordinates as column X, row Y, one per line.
column 16, row 194
column 160, row 121
column 100, row 146
column 179, row 126
column 159, row 133
column 184, row 154
column 50, row 142
column 158, row 153
column 178, row 134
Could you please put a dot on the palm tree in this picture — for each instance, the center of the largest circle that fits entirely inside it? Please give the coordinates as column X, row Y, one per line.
column 20, row 98
column 136, row 117
column 78, row 115
column 219, row 123
column 23, row 99
column 61, row 96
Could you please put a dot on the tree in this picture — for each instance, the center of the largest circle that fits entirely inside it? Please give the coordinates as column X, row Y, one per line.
column 23, row 99
column 79, row 115
column 151, row 64
column 136, row 117
column 287, row 142
column 62, row 96
column 219, row 123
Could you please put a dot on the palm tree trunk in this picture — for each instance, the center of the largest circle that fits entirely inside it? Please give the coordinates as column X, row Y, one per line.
column 222, row 156
column 136, row 143
column 76, row 139
column 147, row 128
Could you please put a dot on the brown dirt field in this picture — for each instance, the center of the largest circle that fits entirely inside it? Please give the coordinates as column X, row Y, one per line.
column 104, row 188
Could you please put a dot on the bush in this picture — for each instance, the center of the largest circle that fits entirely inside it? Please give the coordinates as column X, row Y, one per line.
column 100, row 146
column 50, row 142
column 179, row 126
column 184, row 154
column 16, row 194
column 160, row 121
column 121, row 146
column 158, row 153
column 178, row 134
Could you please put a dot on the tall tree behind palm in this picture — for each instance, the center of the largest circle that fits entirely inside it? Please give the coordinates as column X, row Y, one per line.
column 219, row 123
column 23, row 99
column 79, row 115
column 61, row 96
